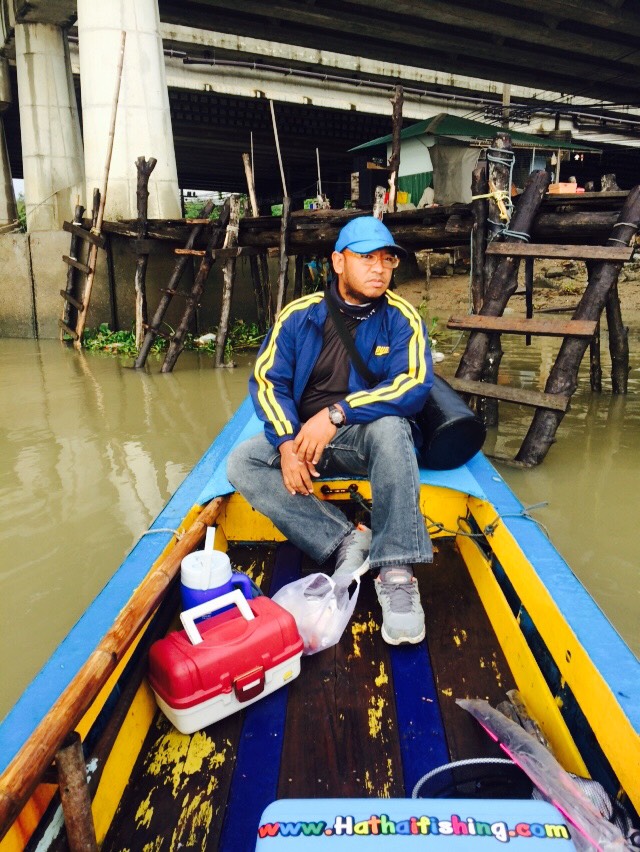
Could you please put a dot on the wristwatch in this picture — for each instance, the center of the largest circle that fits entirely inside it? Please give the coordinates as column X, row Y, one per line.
column 336, row 416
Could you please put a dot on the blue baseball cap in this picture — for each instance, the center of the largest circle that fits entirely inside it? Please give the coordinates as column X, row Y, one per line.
column 365, row 234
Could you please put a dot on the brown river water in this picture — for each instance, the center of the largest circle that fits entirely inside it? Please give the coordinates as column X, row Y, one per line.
column 91, row 450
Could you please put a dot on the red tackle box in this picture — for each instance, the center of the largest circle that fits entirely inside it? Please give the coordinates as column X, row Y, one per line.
column 209, row 670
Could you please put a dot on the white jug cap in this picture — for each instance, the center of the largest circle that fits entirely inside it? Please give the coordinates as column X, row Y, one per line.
column 205, row 569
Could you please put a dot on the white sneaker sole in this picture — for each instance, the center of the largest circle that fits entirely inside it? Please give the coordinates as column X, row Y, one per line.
column 403, row 640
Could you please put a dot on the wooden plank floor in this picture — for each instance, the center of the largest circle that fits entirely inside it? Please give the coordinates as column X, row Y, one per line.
column 362, row 720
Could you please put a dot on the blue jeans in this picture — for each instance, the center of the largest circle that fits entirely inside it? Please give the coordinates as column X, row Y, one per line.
column 381, row 451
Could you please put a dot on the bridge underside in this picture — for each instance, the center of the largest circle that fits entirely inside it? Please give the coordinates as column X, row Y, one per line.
column 584, row 48
column 212, row 131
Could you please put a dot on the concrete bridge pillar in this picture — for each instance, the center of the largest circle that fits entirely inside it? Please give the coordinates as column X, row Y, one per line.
column 8, row 207
column 50, row 128
column 143, row 126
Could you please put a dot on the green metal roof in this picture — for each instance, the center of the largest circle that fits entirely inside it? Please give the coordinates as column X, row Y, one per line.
column 445, row 124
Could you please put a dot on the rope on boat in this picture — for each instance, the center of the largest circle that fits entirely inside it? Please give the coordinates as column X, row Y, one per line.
column 489, row 529
column 472, row 761
column 177, row 533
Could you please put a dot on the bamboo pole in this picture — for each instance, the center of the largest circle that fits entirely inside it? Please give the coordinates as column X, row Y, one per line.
column 251, row 185
column 394, row 162
column 275, row 133
column 230, row 241
column 74, row 795
column 319, row 176
column 259, row 266
column 93, row 250
column 144, row 167
column 24, row 772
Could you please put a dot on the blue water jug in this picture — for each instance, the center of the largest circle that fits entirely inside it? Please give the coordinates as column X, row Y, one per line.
column 207, row 574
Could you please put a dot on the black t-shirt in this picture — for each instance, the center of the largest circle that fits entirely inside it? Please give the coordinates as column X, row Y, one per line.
column 329, row 379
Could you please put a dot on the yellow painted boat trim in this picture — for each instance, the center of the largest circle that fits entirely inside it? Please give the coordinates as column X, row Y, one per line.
column 616, row 736
column 240, row 522
column 122, row 758
column 531, row 683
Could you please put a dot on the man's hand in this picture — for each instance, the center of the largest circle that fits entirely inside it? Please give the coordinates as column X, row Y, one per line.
column 312, row 438
column 296, row 474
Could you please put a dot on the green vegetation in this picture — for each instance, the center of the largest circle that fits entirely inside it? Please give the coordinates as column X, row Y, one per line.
column 242, row 335
column 193, row 208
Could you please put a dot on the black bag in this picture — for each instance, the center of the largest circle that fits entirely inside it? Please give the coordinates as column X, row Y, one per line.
column 450, row 432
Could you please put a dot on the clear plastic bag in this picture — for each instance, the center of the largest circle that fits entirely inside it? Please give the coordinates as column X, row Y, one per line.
column 321, row 606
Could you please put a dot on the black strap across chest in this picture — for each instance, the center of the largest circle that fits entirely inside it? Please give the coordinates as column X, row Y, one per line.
column 345, row 336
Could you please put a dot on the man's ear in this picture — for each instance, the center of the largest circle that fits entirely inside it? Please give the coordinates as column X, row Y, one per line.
column 337, row 258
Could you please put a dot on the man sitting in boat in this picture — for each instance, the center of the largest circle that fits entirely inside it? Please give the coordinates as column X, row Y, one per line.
column 322, row 418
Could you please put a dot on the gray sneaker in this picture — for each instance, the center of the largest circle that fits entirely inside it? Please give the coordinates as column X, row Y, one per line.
column 402, row 613
column 352, row 554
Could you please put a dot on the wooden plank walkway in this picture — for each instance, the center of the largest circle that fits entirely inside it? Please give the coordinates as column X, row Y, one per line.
column 521, row 325
column 564, row 252
column 507, row 393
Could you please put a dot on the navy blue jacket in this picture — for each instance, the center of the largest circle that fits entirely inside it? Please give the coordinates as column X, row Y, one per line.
column 393, row 343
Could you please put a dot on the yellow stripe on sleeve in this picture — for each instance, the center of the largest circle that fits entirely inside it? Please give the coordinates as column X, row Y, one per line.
column 266, row 394
column 417, row 362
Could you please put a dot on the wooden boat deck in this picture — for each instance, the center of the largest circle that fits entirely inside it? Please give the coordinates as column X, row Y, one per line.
column 362, row 720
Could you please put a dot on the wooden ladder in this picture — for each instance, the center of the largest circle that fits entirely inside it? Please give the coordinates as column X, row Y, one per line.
column 496, row 325
column 77, row 294
column 153, row 329
column 218, row 233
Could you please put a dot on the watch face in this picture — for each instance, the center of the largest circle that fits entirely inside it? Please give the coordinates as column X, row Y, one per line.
column 336, row 416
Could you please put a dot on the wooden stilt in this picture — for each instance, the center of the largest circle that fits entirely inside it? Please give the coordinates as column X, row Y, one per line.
column 74, row 795
column 618, row 342
column 254, row 266
column 111, row 281
column 177, row 343
column 284, row 254
column 181, row 263
column 394, row 162
column 231, row 240
column 144, row 167
column 479, row 236
column 488, row 406
column 297, row 283
column 528, row 292
column 564, row 374
column 595, row 366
